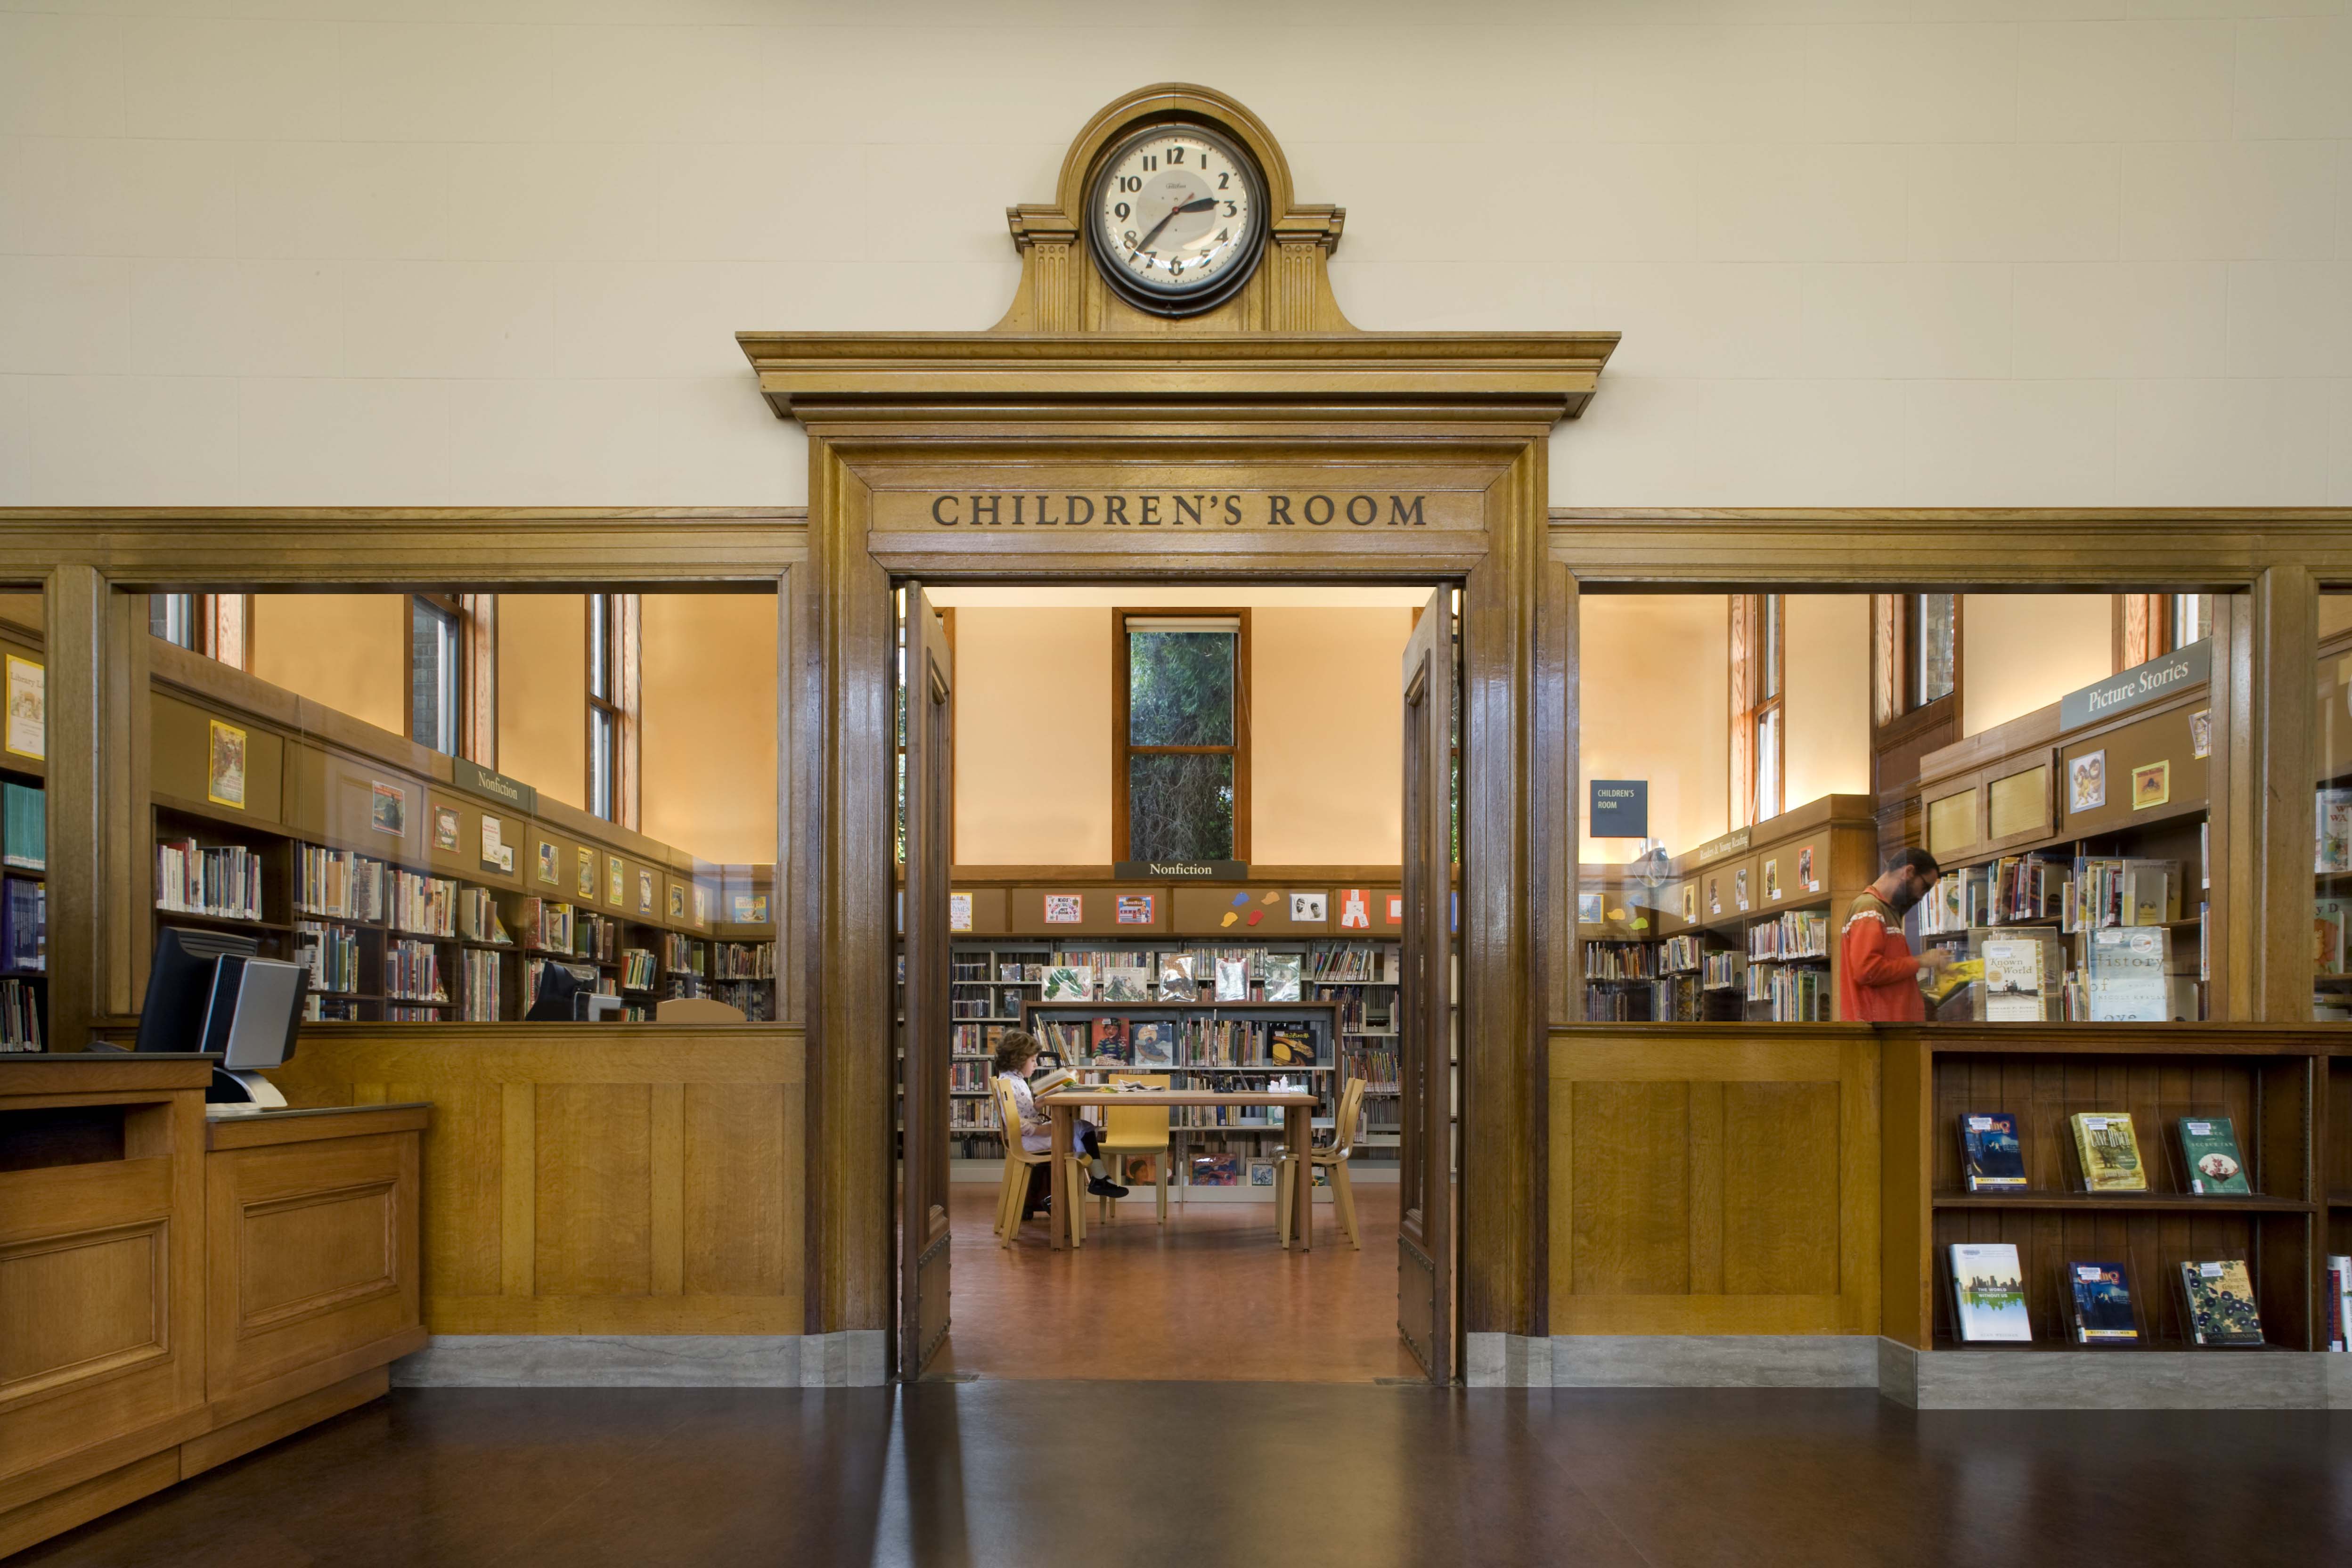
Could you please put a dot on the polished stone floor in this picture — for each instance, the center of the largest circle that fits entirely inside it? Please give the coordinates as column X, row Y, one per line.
column 998, row 1472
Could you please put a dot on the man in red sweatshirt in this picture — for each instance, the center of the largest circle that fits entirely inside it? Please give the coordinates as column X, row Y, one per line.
column 1878, row 981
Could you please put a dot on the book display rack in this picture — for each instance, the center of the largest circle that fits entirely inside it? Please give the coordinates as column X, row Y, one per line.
column 23, row 887
column 412, row 899
column 1743, row 928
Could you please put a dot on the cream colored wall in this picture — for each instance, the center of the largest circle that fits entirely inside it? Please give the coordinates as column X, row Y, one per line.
column 708, row 745
column 349, row 651
column 1825, row 671
column 2335, row 614
column 1327, row 736
column 1966, row 252
column 1655, row 689
column 2023, row 651
column 542, row 693
column 1034, row 698
column 1032, row 701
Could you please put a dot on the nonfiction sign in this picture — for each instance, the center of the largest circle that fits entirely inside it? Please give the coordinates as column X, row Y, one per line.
column 1181, row 871
column 1305, row 511
column 2162, row 676
column 479, row 779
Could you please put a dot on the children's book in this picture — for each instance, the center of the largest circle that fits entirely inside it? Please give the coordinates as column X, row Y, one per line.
column 2339, row 1302
column 1176, row 982
column 1154, row 1044
column 1127, row 983
column 1261, row 1173
column 1290, row 1048
column 2102, row 1304
column 2327, row 921
column 1988, row 1293
column 2332, row 815
column 1139, row 1170
column 2209, row 1146
column 1232, row 980
column 1110, row 1040
column 1216, row 1169
column 2221, row 1300
column 1282, row 976
column 2111, row 1162
column 1068, row 983
column 1991, row 1159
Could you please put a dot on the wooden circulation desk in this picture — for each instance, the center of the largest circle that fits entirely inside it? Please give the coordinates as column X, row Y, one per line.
column 175, row 1290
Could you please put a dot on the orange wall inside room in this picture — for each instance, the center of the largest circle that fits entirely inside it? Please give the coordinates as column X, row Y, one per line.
column 542, row 693
column 348, row 651
column 708, row 747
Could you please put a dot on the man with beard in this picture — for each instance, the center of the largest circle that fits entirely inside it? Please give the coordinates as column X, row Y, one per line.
column 1879, row 979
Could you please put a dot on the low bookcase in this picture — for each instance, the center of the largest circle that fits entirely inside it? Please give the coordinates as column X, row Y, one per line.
column 2269, row 1079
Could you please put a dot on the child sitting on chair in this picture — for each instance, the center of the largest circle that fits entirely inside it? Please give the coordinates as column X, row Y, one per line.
column 1016, row 1054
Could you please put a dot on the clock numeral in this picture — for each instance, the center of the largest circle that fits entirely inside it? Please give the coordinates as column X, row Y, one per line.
column 1230, row 210
column 1119, row 211
column 1223, row 180
column 1151, row 165
column 1223, row 234
column 1175, row 156
column 1129, row 183
column 1176, row 268
column 1130, row 239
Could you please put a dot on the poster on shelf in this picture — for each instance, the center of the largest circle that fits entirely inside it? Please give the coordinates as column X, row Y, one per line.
column 547, row 872
column 388, row 809
column 584, row 880
column 1065, row 909
column 751, row 909
column 2086, row 782
column 225, row 770
column 644, row 892
column 444, row 828
column 677, row 902
column 28, row 708
column 1355, row 910
column 959, row 912
column 1396, row 908
column 497, row 855
column 1805, row 879
column 616, row 882
column 1136, row 909
column 1309, row 909
column 2201, row 733
column 1588, row 909
column 1772, row 881
column 2151, row 785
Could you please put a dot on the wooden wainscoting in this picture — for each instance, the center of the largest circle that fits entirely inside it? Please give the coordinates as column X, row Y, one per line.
column 1714, row 1179
column 592, row 1179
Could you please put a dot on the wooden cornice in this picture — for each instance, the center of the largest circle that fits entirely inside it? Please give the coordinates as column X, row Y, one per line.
column 1384, row 377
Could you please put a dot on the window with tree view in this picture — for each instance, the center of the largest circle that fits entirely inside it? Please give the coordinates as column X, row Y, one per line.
column 1183, row 765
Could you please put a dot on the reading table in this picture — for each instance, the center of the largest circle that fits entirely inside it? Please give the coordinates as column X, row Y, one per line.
column 1063, row 1105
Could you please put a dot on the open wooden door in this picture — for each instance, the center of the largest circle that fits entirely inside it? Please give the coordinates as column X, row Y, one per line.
column 927, row 690
column 1425, row 1065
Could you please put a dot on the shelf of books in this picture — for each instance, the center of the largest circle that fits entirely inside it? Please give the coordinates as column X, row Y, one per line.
column 1743, row 928
column 413, row 901
column 2090, row 1189
column 2076, row 868
column 1321, row 1012
column 24, row 904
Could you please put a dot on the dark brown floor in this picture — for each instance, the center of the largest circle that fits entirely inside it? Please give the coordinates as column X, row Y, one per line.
column 1209, row 1296
column 1191, row 1474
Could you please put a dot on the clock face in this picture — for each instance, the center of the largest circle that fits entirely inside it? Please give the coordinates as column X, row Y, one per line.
column 1177, row 218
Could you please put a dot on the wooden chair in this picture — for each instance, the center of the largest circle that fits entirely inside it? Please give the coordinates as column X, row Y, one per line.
column 1018, row 1163
column 1331, row 1156
column 1135, row 1130
column 695, row 1010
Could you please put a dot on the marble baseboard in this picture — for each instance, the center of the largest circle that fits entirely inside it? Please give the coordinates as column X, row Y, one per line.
column 1506, row 1361
column 1713, row 1361
column 851, row 1359
column 2115, row 1380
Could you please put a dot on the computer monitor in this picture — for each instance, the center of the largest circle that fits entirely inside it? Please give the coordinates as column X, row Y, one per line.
column 256, row 1012
column 559, row 986
column 180, row 985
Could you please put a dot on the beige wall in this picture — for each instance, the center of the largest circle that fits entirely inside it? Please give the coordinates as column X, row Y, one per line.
column 1959, row 254
column 542, row 693
column 349, row 651
column 2335, row 614
column 1032, row 702
column 1656, row 694
column 1034, row 752
column 2023, row 651
column 1327, row 736
column 707, row 746
column 1825, row 668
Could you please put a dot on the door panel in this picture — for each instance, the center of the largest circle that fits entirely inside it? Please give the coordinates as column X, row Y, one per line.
column 923, row 1252
column 1424, row 1241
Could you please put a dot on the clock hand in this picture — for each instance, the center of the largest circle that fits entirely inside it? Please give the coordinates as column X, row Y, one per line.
column 1199, row 204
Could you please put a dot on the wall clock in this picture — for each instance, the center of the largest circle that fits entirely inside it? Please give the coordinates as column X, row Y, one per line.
column 1177, row 218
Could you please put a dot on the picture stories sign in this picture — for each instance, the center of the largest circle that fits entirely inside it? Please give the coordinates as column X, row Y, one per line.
column 2143, row 683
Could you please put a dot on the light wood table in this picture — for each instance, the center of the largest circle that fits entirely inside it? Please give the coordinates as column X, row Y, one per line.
column 1063, row 1105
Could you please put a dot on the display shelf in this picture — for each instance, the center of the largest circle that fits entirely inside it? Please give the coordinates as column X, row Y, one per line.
column 2152, row 1203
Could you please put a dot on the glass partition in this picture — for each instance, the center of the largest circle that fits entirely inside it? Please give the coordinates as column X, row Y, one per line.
column 1949, row 806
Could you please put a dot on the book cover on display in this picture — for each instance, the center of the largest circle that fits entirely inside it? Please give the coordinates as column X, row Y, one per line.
column 2339, row 1302
column 1126, row 983
column 2332, row 815
column 2209, row 1146
column 1068, row 983
column 2110, row 1154
column 1110, row 1041
column 2328, row 935
column 1989, row 1292
column 2125, row 969
column 1232, row 980
column 1216, row 1170
column 2012, row 980
column 2220, row 1304
column 1176, row 982
column 1282, row 976
column 1290, row 1048
column 1154, row 1044
column 2102, row 1304
column 1991, row 1159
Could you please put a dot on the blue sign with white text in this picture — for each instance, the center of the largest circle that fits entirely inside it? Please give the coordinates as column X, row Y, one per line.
column 1621, row 808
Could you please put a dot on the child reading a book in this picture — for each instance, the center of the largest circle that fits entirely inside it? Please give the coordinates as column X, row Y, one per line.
column 1016, row 1054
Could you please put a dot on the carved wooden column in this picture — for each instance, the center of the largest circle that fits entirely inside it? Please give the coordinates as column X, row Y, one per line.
column 101, row 875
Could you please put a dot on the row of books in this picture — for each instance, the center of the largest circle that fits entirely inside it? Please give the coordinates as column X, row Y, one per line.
column 1362, row 1010
column 682, row 955
column 1355, row 961
column 1793, row 995
column 477, row 917
column 1613, row 961
column 478, row 997
column 412, row 971
column 21, row 1002
column 755, row 999
column 742, row 961
column 223, row 881
column 1992, row 1157
column 596, row 936
column 399, row 1014
column 343, row 883
column 637, row 969
column 547, row 923
column 1722, row 973
column 1117, row 1041
column 975, row 1039
column 1375, row 1067
column 24, row 926
column 23, row 827
column 1684, row 954
column 1177, row 977
column 967, row 1077
column 1795, row 934
column 331, row 953
column 422, row 905
column 2217, row 1305
column 2090, row 893
column 973, row 1002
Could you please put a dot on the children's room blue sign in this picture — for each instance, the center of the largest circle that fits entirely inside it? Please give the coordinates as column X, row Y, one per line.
column 1621, row 808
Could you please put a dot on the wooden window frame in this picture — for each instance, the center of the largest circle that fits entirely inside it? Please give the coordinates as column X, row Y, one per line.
column 477, row 679
column 1121, row 751
column 450, row 605
column 2148, row 625
column 1894, row 646
column 1749, row 615
column 622, row 704
column 222, row 624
